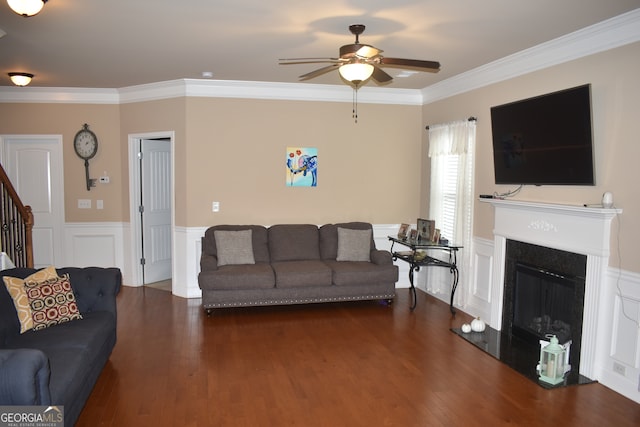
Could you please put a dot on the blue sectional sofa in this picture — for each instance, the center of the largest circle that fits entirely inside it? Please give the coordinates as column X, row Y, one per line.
column 60, row 364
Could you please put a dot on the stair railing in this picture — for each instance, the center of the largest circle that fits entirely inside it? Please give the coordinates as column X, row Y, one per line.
column 16, row 222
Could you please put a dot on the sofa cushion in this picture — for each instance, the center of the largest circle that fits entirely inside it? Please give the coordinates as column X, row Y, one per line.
column 52, row 302
column 294, row 242
column 234, row 247
column 329, row 237
column 15, row 287
column 258, row 240
column 354, row 245
column 346, row 273
column 296, row 274
column 249, row 276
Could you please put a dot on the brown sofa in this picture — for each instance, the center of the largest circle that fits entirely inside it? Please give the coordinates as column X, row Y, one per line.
column 250, row 265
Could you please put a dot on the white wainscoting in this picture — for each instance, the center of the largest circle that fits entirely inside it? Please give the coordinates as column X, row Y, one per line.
column 620, row 370
column 95, row 244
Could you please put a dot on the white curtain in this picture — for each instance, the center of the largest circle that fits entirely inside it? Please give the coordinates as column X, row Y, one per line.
column 451, row 150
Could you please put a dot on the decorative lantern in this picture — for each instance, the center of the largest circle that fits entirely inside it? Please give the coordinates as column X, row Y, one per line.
column 552, row 360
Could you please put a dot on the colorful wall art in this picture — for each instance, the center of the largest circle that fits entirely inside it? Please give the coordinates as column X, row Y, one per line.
column 302, row 167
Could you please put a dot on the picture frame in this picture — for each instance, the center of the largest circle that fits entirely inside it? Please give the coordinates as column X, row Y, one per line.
column 403, row 231
column 426, row 229
column 436, row 236
column 413, row 234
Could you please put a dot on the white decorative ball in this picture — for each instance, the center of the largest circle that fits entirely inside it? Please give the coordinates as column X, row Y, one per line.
column 477, row 325
column 466, row 328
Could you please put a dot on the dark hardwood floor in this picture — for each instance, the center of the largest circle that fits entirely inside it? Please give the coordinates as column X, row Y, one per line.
column 345, row 364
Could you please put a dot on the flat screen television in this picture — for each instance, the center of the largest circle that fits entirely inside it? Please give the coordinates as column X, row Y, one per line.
column 544, row 140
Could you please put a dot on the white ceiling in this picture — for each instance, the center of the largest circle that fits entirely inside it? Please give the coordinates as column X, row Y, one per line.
column 121, row 43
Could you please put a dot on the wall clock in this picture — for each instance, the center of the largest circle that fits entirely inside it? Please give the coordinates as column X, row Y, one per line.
column 85, row 144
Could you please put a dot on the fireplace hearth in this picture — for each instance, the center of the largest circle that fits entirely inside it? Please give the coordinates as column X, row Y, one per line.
column 519, row 354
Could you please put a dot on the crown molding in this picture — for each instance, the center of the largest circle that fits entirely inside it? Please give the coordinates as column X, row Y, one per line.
column 267, row 90
column 58, row 95
column 609, row 34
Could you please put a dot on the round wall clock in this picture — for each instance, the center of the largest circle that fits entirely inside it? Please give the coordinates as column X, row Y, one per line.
column 85, row 144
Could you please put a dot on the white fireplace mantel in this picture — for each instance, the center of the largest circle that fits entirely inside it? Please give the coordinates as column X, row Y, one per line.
column 578, row 229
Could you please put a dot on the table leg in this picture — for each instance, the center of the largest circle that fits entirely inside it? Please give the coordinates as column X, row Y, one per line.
column 412, row 291
column 454, row 286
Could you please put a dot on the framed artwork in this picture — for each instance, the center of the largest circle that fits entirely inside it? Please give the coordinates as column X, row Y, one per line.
column 413, row 234
column 302, row 167
column 426, row 229
column 403, row 231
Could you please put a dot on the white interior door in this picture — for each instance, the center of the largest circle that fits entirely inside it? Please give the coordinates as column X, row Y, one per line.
column 34, row 165
column 155, row 191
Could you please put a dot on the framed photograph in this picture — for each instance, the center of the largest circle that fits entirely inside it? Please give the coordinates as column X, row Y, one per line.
column 413, row 235
column 426, row 229
column 402, row 232
column 436, row 236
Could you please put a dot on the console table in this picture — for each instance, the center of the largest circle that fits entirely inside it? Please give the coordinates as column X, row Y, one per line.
column 416, row 256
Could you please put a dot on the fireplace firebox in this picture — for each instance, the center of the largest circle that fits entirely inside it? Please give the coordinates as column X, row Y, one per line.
column 544, row 295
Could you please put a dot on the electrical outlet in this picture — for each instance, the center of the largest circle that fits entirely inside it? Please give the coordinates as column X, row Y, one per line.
column 215, row 206
column 619, row 368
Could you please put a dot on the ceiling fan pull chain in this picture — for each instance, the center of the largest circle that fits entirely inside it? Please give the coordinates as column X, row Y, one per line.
column 355, row 104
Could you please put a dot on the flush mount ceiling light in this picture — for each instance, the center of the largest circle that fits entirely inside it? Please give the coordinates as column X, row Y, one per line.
column 26, row 8
column 20, row 79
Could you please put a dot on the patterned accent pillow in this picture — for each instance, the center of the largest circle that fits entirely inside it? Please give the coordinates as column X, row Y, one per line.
column 234, row 247
column 52, row 302
column 15, row 287
column 354, row 245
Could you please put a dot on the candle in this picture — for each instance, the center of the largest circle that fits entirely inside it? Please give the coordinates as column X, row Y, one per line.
column 551, row 369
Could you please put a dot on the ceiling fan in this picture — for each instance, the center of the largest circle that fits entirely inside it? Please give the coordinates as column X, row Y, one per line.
column 358, row 62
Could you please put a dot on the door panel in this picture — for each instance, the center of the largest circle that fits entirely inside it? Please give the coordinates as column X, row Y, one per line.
column 34, row 165
column 156, row 219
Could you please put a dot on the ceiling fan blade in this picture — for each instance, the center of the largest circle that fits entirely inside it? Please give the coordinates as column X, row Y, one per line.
column 433, row 66
column 319, row 71
column 367, row 51
column 288, row 61
column 380, row 76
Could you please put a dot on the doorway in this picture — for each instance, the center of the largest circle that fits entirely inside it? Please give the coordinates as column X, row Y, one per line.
column 151, row 206
column 34, row 165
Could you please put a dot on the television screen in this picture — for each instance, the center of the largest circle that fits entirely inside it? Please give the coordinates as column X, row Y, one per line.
column 545, row 140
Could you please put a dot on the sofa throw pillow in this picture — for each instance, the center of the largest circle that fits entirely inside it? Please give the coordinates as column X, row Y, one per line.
column 234, row 247
column 15, row 287
column 354, row 245
column 52, row 302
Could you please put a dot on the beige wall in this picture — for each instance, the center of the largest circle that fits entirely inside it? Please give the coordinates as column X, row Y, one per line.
column 66, row 120
column 233, row 151
column 236, row 155
column 615, row 94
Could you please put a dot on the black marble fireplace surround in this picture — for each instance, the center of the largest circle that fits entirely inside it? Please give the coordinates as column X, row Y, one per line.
column 521, row 350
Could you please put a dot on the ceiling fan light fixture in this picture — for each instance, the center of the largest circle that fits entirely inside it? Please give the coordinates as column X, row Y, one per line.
column 356, row 72
column 26, row 8
column 20, row 79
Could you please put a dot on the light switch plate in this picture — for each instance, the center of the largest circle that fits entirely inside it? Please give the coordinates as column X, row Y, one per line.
column 84, row 203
